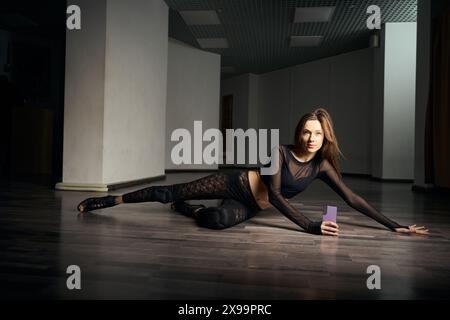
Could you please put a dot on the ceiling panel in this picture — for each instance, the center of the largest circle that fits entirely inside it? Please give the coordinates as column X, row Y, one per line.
column 258, row 32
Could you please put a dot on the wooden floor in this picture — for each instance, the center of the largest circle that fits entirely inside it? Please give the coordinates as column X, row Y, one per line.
column 145, row 251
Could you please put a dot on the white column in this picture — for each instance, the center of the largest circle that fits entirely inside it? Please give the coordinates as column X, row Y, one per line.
column 115, row 95
column 398, row 103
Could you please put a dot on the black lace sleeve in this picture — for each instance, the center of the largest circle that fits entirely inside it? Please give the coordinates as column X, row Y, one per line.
column 282, row 204
column 329, row 175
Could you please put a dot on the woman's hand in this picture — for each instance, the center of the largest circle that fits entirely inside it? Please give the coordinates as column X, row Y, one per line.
column 413, row 229
column 329, row 228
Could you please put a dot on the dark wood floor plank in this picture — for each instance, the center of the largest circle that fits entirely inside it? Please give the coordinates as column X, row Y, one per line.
column 146, row 251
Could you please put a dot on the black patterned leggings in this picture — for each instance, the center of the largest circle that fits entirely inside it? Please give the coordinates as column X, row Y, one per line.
column 232, row 186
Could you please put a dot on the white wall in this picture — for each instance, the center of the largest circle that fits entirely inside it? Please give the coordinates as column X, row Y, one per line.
column 253, row 101
column 275, row 102
column 135, row 89
column 399, row 100
column 245, row 91
column 350, row 101
column 340, row 84
column 193, row 93
column 84, row 96
column 115, row 94
column 370, row 94
column 310, row 90
column 239, row 87
column 377, row 108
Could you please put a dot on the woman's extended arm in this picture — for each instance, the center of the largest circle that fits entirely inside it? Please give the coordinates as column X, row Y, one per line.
column 328, row 174
column 282, row 204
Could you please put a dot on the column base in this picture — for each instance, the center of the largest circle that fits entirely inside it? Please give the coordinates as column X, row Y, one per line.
column 100, row 187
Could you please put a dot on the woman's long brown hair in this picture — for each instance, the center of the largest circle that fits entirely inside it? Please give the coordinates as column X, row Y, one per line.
column 330, row 147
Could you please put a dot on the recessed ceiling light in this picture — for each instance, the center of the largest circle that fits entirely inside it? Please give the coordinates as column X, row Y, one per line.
column 213, row 43
column 313, row 14
column 306, row 41
column 201, row 17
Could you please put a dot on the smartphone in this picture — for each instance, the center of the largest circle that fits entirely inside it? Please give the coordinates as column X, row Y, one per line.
column 330, row 214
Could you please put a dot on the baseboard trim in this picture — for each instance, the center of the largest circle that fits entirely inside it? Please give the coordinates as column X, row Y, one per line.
column 132, row 183
column 368, row 176
column 190, row 170
column 392, row 180
column 430, row 188
column 64, row 186
column 356, row 175
column 208, row 170
column 353, row 175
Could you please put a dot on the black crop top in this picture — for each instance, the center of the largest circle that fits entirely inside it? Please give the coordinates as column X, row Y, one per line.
column 295, row 176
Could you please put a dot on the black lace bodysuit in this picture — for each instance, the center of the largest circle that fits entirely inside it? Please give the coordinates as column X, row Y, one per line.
column 295, row 176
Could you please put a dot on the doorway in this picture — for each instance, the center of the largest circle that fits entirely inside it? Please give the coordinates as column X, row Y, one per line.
column 226, row 120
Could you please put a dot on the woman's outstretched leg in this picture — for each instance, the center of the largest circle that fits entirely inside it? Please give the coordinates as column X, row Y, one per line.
column 214, row 186
column 221, row 185
column 229, row 213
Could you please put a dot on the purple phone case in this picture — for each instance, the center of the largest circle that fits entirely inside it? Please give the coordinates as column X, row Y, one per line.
column 330, row 214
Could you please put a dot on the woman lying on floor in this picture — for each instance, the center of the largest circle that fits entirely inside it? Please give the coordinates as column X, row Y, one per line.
column 314, row 155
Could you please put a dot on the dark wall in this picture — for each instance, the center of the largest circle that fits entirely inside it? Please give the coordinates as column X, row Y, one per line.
column 438, row 6
column 35, row 68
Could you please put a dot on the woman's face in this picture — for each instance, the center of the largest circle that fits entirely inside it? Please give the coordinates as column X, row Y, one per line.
column 312, row 136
